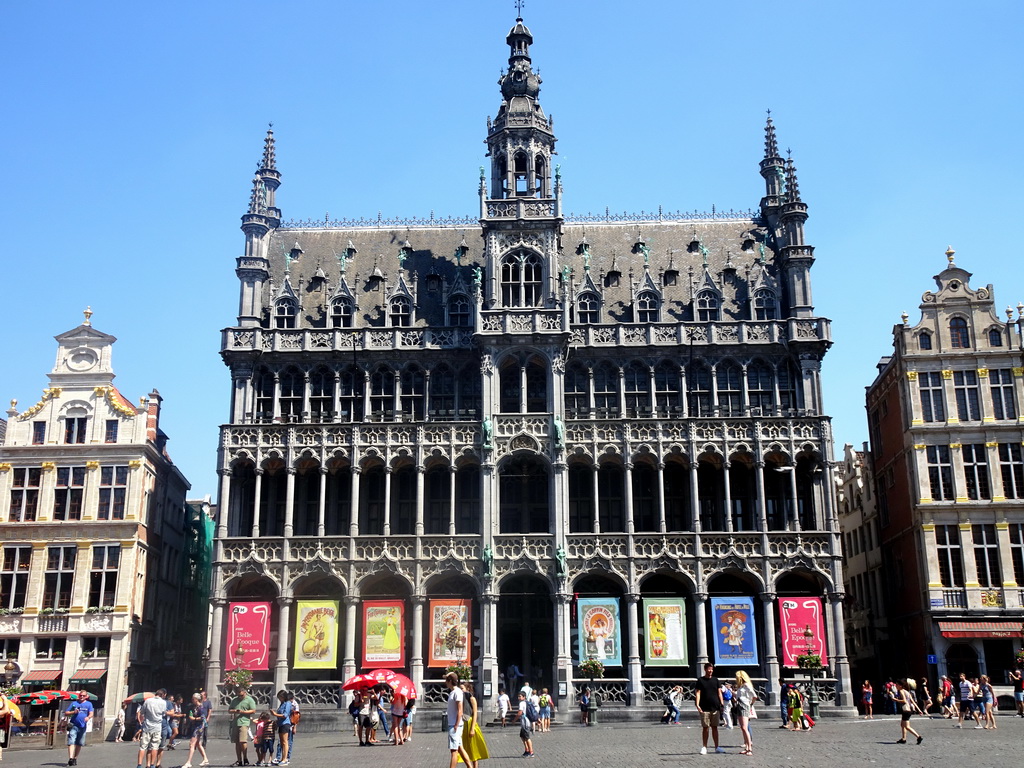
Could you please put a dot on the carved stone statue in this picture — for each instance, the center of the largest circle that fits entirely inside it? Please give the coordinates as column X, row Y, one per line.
column 560, row 557
column 488, row 432
column 559, row 432
column 488, row 558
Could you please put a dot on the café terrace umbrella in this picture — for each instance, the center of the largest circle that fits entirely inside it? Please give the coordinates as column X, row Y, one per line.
column 138, row 698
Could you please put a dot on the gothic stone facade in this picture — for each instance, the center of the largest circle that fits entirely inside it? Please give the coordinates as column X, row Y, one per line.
column 946, row 435
column 522, row 408
column 93, row 535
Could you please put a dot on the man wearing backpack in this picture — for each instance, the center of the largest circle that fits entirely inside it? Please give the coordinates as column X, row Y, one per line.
column 547, row 706
column 527, row 717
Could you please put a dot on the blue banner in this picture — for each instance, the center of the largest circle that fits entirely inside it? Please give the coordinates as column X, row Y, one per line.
column 599, row 630
column 734, row 631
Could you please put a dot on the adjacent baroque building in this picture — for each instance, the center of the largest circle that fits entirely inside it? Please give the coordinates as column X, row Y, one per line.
column 946, row 434
column 524, row 410
column 94, row 536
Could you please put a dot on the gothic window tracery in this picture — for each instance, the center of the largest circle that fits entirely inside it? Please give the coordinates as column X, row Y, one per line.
column 588, row 309
column 321, row 393
column 647, row 306
column 521, row 276
column 458, row 311
column 760, row 390
column 351, row 385
column 698, row 390
column 764, row 305
column 382, row 393
column 400, row 313
column 637, row 384
column 730, row 388
column 666, row 387
column 707, row 306
column 576, row 384
column 285, row 312
column 412, row 398
column 606, row 387
column 341, row 313
column 291, row 383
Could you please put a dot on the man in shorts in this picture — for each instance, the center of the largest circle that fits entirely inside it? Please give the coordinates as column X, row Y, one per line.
column 241, row 709
column 1018, row 690
column 455, row 698
column 525, row 726
column 151, row 718
column 708, row 697
column 79, row 714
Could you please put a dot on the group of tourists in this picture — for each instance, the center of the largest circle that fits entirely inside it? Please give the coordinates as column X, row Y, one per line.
column 164, row 720
column 371, row 710
column 272, row 732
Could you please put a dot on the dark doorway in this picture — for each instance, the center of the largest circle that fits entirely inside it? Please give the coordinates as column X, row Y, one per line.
column 960, row 657
column 526, row 630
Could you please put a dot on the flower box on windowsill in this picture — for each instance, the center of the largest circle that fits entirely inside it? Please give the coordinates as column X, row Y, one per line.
column 11, row 611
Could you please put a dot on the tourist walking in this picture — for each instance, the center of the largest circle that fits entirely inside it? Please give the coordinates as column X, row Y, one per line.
column 241, row 708
column 988, row 697
column 397, row 716
column 79, row 714
column 708, row 697
column 151, row 727
column 525, row 725
column 472, row 736
column 1018, row 690
column 547, row 708
column 866, row 693
column 745, row 697
column 119, row 723
column 966, row 702
column 503, row 705
column 907, row 704
column 455, row 712
column 946, row 694
column 924, row 697
column 207, row 715
column 284, row 725
column 195, row 727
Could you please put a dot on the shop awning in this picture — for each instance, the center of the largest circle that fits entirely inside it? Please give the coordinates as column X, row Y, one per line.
column 980, row 628
column 41, row 676
column 86, row 676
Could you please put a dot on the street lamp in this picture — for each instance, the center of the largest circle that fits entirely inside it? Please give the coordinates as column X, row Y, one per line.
column 11, row 673
column 812, row 669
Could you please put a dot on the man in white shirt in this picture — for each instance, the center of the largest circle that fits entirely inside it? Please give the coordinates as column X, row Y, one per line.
column 455, row 721
column 151, row 717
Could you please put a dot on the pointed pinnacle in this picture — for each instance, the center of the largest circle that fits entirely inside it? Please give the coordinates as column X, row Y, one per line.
column 771, row 145
column 269, row 161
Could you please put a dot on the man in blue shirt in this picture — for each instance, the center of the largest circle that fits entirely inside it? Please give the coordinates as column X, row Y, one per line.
column 79, row 713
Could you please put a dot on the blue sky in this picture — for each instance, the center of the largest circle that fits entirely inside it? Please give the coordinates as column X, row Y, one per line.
column 133, row 129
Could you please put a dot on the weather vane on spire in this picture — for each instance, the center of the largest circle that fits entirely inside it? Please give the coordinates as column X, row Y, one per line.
column 519, row 8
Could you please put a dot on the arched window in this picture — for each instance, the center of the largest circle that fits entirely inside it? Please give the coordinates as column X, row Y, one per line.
column 321, row 393
column 760, row 389
column 995, row 337
column 536, row 386
column 606, row 387
column 764, row 304
column 469, row 389
column 924, row 340
column 540, row 173
column 292, row 382
column 341, row 313
column 698, row 390
column 577, row 397
column 666, row 387
column 959, row 336
column 468, row 504
column 412, row 393
column 730, row 389
column 263, row 391
column 647, row 307
column 522, row 180
column 787, row 379
column 351, row 385
column 382, row 394
column 458, row 311
column 436, row 485
column 401, row 312
column 707, row 306
column 637, row 384
column 524, row 500
column 442, row 393
column 521, row 275
column 581, row 498
column 588, row 309
column 285, row 311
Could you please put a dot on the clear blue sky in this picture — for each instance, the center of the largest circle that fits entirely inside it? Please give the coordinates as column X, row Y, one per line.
column 132, row 131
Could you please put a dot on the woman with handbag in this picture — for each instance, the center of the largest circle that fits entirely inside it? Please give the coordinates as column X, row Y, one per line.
column 907, row 704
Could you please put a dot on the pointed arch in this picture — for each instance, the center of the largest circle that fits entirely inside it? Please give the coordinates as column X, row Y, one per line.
column 321, row 393
column 637, row 388
column 458, row 308
column 291, row 384
column 286, row 310
column 400, row 312
column 707, row 303
column 698, row 389
column 522, row 274
column 765, row 304
column 382, row 393
column 342, row 311
column 576, row 384
column 588, row 308
column 648, row 307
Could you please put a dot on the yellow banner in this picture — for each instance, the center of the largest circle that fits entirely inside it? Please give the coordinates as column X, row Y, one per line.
column 316, row 634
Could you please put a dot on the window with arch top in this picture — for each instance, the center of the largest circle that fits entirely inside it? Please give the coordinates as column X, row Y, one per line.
column 588, row 309
column 458, row 311
column 285, row 311
column 647, row 306
column 707, row 306
column 924, row 340
column 959, row 335
column 764, row 304
column 995, row 337
column 521, row 279
column 400, row 312
column 341, row 313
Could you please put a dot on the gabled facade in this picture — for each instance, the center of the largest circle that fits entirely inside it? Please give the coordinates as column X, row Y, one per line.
column 525, row 408
column 93, row 520
column 946, row 435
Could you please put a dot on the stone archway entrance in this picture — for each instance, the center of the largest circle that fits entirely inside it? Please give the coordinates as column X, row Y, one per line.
column 526, row 630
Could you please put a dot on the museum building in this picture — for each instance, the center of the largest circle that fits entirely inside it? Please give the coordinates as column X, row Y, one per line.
column 525, row 439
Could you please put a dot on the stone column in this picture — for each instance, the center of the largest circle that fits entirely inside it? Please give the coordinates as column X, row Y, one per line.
column 662, row 527
column 215, row 667
column 727, row 487
column 453, row 477
column 387, row 501
column 694, row 496
column 257, row 503
column 277, row 399
column 289, row 503
column 700, row 600
column 489, row 645
column 418, row 526
column 762, row 506
column 353, row 523
column 597, row 503
column 771, row 656
column 844, row 691
column 416, row 657
column 634, row 670
column 794, row 509
column 348, row 662
column 284, row 615
column 322, row 507
column 224, row 504
column 563, row 659
column 630, row 527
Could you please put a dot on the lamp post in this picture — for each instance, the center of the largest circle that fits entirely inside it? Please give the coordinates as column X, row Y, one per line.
column 11, row 673
column 812, row 670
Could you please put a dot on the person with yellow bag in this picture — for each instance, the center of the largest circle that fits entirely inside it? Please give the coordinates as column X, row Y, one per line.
column 472, row 737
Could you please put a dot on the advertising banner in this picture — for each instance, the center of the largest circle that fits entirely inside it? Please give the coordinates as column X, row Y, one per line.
column 383, row 633
column 247, row 642
column 734, row 631
column 449, row 632
column 665, row 642
column 599, row 631
column 316, row 634
column 796, row 615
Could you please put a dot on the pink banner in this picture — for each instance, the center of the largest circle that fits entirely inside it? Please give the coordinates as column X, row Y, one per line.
column 796, row 615
column 248, row 636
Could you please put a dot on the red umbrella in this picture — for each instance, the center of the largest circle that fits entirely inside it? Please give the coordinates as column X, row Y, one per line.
column 138, row 698
column 401, row 684
column 56, row 694
column 359, row 682
column 381, row 675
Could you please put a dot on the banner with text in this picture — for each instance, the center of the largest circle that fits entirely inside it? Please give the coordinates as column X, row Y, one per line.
column 665, row 643
column 449, row 632
column 796, row 616
column 247, row 645
column 383, row 633
column 734, row 631
column 316, row 634
column 599, row 632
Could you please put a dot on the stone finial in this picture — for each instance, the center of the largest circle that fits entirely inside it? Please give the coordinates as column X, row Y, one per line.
column 949, row 255
column 1020, row 310
column 904, row 317
column 1009, row 313
column 88, row 315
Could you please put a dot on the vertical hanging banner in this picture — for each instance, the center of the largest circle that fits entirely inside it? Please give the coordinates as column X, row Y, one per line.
column 247, row 645
column 796, row 615
column 383, row 633
column 599, row 631
column 316, row 634
column 665, row 643
column 449, row 632
column 733, row 630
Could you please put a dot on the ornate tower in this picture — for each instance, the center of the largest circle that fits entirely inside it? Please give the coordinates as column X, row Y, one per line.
column 253, row 268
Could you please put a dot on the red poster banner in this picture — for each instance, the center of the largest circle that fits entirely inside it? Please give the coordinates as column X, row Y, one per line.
column 383, row 633
column 248, row 637
column 796, row 615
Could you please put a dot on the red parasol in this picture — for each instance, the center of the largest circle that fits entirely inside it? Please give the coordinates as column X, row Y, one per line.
column 401, row 684
column 359, row 682
column 381, row 675
column 138, row 698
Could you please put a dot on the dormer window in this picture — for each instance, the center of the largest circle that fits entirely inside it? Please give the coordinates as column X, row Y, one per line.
column 588, row 310
column 400, row 312
column 959, row 336
column 458, row 311
column 74, row 429
column 611, row 280
column 285, row 312
column 671, row 277
column 647, row 306
column 521, row 275
column 433, row 283
column 764, row 304
column 995, row 337
column 341, row 313
column 707, row 306
column 924, row 340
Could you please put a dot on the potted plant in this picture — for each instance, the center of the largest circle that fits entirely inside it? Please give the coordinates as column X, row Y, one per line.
column 238, row 678
column 810, row 661
column 1018, row 659
column 464, row 671
column 93, row 609
column 592, row 668
column 46, row 612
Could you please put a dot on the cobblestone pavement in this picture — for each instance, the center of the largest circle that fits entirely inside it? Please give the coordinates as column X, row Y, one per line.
column 834, row 742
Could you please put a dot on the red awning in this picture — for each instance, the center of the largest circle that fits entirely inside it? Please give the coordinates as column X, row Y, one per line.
column 41, row 675
column 980, row 628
